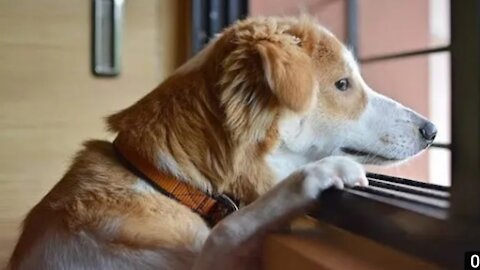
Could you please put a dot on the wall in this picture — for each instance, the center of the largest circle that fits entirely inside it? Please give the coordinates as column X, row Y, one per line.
column 50, row 102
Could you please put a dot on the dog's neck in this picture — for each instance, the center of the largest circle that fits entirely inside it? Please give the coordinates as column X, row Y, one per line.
column 284, row 162
column 245, row 186
column 197, row 127
column 165, row 162
column 212, row 207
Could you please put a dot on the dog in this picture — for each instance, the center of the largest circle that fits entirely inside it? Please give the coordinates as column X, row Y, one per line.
column 238, row 140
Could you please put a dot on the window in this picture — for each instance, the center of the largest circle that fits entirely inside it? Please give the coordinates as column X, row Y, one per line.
column 410, row 63
column 426, row 54
column 211, row 16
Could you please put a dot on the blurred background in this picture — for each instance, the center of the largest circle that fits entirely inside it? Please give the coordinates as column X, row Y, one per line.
column 52, row 97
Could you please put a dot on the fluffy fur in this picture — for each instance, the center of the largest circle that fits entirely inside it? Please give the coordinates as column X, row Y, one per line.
column 255, row 115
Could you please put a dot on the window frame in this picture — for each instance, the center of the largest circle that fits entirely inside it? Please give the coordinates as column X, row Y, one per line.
column 211, row 16
column 465, row 109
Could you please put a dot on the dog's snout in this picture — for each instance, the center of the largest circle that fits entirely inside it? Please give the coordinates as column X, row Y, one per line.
column 428, row 131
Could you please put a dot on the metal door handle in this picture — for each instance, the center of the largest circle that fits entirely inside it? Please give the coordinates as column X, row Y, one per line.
column 106, row 36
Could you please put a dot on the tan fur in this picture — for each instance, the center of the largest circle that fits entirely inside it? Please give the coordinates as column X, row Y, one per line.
column 217, row 121
column 96, row 191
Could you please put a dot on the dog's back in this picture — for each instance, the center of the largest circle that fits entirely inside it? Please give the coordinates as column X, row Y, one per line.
column 100, row 216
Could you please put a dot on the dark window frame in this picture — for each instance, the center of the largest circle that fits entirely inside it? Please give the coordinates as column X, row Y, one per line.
column 211, row 16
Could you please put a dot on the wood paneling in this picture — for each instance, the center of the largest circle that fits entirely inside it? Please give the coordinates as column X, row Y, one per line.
column 50, row 102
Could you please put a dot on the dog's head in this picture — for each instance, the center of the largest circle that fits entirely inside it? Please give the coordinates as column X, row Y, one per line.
column 330, row 110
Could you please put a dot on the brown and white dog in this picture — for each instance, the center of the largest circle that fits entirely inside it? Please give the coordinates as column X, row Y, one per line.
column 272, row 112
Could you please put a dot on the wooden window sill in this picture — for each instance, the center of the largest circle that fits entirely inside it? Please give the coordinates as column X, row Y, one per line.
column 316, row 245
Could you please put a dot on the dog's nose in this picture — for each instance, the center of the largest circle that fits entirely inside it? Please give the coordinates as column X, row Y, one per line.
column 428, row 131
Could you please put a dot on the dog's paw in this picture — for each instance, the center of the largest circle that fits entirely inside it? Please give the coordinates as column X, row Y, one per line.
column 332, row 171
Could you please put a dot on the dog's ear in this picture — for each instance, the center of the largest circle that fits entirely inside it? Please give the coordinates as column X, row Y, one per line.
column 289, row 73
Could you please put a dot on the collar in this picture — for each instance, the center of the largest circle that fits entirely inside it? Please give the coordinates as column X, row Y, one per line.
column 212, row 208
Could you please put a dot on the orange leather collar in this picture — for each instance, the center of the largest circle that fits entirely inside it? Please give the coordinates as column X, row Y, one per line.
column 211, row 208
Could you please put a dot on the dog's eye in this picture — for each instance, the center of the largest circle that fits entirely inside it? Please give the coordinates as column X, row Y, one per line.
column 342, row 84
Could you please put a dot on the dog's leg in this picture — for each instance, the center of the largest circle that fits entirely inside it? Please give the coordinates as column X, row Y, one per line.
column 239, row 234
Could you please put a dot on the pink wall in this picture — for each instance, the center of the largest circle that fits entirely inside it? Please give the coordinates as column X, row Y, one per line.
column 329, row 13
column 391, row 26
column 405, row 80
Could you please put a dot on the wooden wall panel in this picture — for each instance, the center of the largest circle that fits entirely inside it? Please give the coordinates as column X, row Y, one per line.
column 50, row 102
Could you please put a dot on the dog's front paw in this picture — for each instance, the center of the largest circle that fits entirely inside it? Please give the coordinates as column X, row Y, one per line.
column 332, row 171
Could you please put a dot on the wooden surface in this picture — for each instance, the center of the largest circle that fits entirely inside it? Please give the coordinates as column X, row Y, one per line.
column 50, row 102
column 313, row 245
